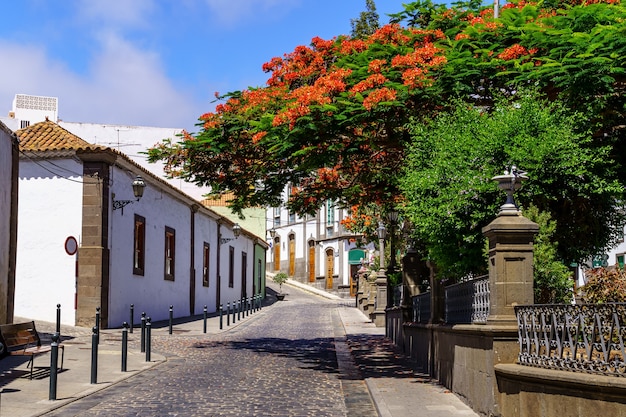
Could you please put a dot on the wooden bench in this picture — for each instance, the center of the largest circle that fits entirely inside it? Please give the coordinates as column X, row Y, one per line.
column 22, row 339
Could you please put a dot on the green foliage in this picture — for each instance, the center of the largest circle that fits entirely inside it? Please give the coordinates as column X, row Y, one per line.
column 605, row 286
column 367, row 23
column 452, row 158
column 280, row 278
column 553, row 281
column 335, row 121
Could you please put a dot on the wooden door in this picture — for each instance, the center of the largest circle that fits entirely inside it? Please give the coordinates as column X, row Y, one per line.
column 277, row 254
column 312, row 262
column 330, row 267
column 292, row 255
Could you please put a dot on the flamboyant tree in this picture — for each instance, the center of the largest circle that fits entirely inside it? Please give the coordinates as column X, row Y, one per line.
column 332, row 117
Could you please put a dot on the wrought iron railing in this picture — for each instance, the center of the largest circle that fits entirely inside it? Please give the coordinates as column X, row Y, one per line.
column 467, row 302
column 421, row 307
column 582, row 338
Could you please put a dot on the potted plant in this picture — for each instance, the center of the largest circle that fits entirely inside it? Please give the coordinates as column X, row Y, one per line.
column 280, row 278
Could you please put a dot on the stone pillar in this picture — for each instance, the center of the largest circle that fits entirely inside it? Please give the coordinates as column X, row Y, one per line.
column 511, row 238
column 378, row 316
column 92, row 287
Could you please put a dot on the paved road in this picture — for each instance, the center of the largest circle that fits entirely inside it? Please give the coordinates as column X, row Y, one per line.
column 289, row 360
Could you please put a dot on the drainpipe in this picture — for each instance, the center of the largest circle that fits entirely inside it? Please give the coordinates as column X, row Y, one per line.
column 218, row 285
column 192, row 262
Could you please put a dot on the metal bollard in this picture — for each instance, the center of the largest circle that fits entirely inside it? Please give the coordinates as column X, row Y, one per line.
column 54, row 360
column 221, row 319
column 171, row 317
column 59, row 319
column 248, row 305
column 239, row 305
column 228, row 313
column 234, row 312
column 143, row 332
column 204, row 325
column 124, row 346
column 131, row 323
column 98, row 325
column 94, row 355
column 148, row 335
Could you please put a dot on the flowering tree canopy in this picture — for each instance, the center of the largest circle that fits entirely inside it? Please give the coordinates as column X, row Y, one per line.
column 332, row 117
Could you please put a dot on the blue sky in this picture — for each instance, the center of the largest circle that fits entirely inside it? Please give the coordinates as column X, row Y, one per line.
column 155, row 62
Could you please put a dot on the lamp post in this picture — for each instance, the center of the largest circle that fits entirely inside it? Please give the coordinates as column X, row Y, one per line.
column 392, row 217
column 381, row 280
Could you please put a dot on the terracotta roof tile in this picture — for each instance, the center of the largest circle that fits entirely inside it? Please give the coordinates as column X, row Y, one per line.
column 221, row 201
column 48, row 136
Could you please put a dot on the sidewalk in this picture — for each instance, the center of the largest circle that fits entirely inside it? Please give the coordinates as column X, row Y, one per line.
column 394, row 395
column 395, row 391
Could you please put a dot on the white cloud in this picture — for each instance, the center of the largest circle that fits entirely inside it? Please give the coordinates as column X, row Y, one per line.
column 124, row 85
column 116, row 13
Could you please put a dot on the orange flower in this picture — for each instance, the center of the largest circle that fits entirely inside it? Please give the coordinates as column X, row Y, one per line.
column 377, row 96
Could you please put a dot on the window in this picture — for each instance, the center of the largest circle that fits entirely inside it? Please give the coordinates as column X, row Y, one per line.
column 330, row 213
column 170, row 253
column 276, row 216
column 139, row 254
column 244, row 274
column 231, row 267
column 24, row 124
column 206, row 252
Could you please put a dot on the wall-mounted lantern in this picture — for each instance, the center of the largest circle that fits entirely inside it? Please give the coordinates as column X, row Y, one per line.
column 138, row 186
column 236, row 233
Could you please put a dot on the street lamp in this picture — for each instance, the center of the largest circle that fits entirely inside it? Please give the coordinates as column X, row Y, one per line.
column 392, row 217
column 382, row 233
column 138, row 186
column 236, row 233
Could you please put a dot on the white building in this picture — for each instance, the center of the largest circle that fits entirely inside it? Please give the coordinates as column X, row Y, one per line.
column 133, row 141
column 315, row 249
column 8, row 220
column 85, row 241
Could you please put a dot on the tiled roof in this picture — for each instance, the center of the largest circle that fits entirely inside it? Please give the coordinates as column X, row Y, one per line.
column 49, row 136
column 221, row 201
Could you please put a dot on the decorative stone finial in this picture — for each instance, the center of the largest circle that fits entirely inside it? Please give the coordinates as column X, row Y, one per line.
column 510, row 182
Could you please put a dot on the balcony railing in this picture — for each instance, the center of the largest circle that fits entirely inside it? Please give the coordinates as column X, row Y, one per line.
column 581, row 338
column 468, row 302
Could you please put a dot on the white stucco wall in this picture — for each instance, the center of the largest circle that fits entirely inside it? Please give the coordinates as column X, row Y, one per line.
column 50, row 210
column 151, row 293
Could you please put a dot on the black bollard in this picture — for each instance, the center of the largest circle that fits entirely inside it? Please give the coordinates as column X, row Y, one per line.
column 221, row 319
column 94, row 355
column 248, row 305
column 143, row 332
column 131, row 323
column 59, row 319
column 98, row 325
column 124, row 346
column 171, row 317
column 204, row 326
column 235, row 312
column 148, row 335
column 54, row 359
column 228, row 313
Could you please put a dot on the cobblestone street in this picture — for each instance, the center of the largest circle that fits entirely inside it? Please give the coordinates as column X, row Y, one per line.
column 282, row 362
